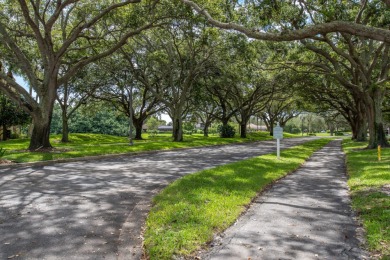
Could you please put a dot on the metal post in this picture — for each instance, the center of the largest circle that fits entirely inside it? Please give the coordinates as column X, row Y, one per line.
column 131, row 115
column 278, row 148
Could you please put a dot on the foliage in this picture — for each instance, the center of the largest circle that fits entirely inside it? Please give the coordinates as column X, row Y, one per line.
column 291, row 128
column 226, row 131
column 369, row 181
column 153, row 133
column 191, row 210
column 14, row 136
column 96, row 118
column 10, row 114
column 2, row 152
column 189, row 126
column 48, row 42
column 153, row 124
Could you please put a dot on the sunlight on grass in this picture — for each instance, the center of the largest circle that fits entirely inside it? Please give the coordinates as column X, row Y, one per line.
column 367, row 180
column 188, row 212
column 81, row 145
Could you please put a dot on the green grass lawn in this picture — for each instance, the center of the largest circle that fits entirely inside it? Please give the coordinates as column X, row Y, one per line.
column 187, row 213
column 369, row 180
column 96, row 144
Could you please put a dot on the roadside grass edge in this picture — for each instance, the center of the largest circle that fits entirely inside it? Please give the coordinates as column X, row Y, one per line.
column 369, row 182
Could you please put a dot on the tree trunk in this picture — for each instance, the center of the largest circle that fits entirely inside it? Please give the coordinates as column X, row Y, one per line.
column 244, row 121
column 271, row 127
column 138, row 128
column 225, row 121
column 243, row 129
column 331, row 128
column 206, row 129
column 42, row 115
column 65, row 128
column 40, row 137
column 359, row 134
column 177, row 130
column 359, row 131
column 375, row 120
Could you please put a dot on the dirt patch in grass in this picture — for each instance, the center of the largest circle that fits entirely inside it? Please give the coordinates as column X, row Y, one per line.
column 2, row 162
column 386, row 189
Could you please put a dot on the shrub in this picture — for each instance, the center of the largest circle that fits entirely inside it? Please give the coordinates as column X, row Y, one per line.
column 153, row 133
column 226, row 131
column 14, row 136
column 295, row 131
column 187, row 132
column 338, row 133
column 311, row 134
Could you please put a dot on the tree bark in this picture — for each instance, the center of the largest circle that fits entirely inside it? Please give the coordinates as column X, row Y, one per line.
column 65, row 127
column 245, row 117
column 359, row 128
column 40, row 137
column 225, row 121
column 42, row 115
column 206, row 129
column 177, row 130
column 375, row 120
column 243, row 129
column 138, row 123
column 271, row 127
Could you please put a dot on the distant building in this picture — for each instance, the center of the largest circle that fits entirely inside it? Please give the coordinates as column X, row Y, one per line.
column 165, row 128
column 253, row 127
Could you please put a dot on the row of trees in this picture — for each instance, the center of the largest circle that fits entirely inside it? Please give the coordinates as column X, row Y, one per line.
column 145, row 57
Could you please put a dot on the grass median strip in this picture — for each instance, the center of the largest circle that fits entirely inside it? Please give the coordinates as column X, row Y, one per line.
column 369, row 180
column 97, row 144
column 187, row 213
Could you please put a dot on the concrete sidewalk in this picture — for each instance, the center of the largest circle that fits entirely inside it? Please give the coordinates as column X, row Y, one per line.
column 306, row 215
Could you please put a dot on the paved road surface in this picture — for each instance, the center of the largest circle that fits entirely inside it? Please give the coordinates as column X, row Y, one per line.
column 306, row 215
column 95, row 209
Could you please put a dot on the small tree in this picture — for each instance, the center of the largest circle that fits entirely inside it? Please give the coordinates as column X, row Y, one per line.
column 153, row 124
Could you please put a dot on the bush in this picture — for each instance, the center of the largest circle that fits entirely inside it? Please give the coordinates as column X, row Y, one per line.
column 295, row 130
column 153, row 133
column 187, row 132
column 311, row 134
column 14, row 136
column 338, row 133
column 226, row 131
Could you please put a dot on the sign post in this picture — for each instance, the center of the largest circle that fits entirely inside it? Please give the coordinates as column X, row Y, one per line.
column 278, row 134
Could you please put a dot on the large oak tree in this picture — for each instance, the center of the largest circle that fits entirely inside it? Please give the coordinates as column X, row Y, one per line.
column 38, row 38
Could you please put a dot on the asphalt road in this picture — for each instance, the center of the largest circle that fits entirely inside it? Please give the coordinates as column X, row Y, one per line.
column 95, row 209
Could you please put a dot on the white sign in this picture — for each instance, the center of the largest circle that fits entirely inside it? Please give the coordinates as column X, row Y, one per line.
column 278, row 132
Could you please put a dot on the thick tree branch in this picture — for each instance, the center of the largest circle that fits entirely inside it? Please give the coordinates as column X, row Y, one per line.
column 308, row 32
